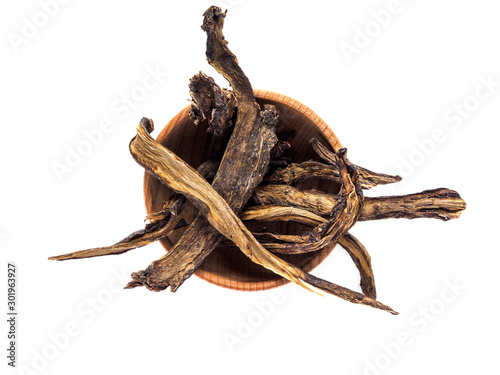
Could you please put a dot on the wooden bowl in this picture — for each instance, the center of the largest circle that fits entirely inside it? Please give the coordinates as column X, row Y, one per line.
column 227, row 266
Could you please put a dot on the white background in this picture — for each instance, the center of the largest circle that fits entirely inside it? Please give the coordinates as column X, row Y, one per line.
column 392, row 94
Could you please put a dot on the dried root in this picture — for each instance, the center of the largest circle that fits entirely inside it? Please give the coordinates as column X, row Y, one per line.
column 242, row 146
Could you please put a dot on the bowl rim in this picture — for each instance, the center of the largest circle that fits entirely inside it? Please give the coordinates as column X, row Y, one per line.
column 322, row 254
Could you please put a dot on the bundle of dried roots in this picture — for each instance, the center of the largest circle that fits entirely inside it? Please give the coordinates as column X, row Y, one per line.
column 243, row 144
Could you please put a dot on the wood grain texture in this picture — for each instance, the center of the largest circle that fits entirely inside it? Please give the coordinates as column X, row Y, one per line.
column 224, row 266
column 182, row 178
column 244, row 163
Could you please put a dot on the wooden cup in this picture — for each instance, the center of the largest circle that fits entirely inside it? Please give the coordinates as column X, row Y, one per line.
column 227, row 266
